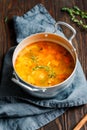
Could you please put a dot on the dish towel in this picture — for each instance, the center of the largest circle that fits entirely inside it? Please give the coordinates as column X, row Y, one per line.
column 19, row 110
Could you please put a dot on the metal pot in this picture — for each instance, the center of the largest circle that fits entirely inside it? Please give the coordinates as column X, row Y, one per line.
column 47, row 92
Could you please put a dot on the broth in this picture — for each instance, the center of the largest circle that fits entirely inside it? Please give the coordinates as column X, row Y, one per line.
column 44, row 64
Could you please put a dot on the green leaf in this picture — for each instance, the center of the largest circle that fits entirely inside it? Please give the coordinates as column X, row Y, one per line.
column 6, row 19
column 75, row 11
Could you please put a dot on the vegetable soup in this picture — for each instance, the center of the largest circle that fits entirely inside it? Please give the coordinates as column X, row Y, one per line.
column 44, row 64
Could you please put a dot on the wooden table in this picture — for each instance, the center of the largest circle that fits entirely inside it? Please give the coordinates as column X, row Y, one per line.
column 9, row 8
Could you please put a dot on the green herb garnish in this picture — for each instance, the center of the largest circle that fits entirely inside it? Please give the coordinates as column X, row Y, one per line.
column 75, row 11
column 34, row 58
column 51, row 73
column 6, row 19
column 41, row 67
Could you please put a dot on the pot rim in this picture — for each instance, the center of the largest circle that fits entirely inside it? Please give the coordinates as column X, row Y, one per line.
column 56, row 85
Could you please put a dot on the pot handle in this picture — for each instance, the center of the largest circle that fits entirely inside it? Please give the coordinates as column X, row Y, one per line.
column 69, row 26
column 18, row 82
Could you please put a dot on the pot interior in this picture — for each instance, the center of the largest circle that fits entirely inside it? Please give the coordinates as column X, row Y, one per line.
column 44, row 37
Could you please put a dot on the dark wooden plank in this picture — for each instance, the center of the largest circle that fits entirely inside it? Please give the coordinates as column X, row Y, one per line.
column 9, row 8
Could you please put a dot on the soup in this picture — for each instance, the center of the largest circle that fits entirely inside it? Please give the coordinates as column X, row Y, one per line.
column 44, row 64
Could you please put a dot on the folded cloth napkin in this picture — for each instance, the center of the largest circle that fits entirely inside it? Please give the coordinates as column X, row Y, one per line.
column 19, row 110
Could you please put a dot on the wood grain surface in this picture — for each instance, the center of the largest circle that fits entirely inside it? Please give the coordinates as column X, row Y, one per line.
column 9, row 8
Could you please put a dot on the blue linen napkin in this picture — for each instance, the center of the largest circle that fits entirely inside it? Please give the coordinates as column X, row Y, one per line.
column 18, row 109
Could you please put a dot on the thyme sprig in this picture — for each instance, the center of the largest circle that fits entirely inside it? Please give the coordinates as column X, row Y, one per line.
column 6, row 19
column 51, row 73
column 75, row 11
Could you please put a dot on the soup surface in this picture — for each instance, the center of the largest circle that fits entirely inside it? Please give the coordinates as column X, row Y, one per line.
column 44, row 64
